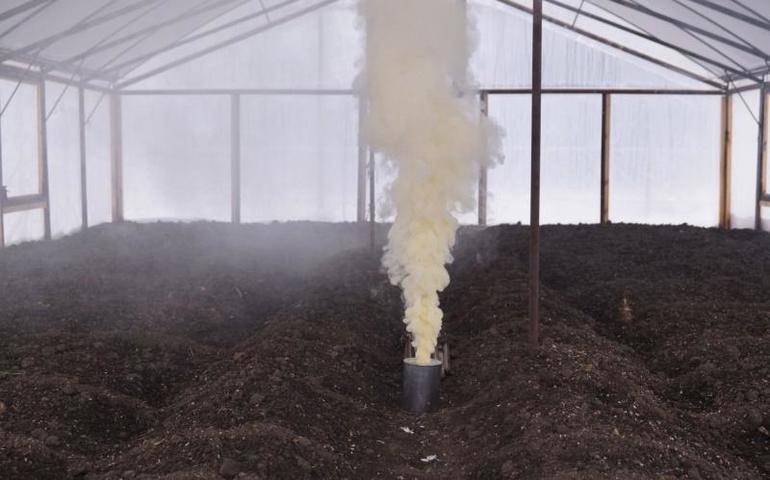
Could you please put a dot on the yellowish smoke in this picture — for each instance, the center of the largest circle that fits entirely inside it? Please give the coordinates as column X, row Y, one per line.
column 423, row 115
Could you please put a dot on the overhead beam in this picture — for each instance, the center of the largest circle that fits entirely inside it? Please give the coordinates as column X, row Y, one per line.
column 23, row 203
column 28, row 5
column 34, row 76
column 226, row 43
column 692, row 28
column 757, row 22
column 683, row 51
column 22, row 21
column 617, row 46
column 146, row 31
column 134, row 62
column 347, row 92
column 89, row 22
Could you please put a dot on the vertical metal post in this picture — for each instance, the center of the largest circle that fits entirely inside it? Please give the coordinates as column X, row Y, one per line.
column 725, row 162
column 2, row 188
column 604, row 209
column 361, row 194
column 116, row 156
column 42, row 158
column 483, row 172
column 534, row 218
column 372, row 200
column 235, row 158
column 761, row 156
column 83, row 167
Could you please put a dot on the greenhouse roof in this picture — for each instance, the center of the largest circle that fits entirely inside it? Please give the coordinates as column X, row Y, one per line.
column 103, row 43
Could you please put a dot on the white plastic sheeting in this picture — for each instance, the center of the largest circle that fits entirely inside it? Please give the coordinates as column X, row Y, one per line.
column 299, row 158
column 176, row 158
column 299, row 153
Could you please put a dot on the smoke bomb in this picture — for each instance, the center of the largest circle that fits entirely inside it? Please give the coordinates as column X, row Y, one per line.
column 421, row 386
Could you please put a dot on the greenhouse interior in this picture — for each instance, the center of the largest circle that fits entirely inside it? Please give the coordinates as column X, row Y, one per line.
column 413, row 239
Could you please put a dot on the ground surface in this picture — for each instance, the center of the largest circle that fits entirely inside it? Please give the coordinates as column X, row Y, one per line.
column 209, row 351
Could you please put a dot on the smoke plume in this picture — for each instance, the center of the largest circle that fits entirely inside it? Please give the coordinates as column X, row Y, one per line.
column 424, row 116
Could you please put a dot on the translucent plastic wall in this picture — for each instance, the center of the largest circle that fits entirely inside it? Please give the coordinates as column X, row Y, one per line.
column 299, row 152
column 299, row 158
column 665, row 159
column 176, row 158
column 18, row 125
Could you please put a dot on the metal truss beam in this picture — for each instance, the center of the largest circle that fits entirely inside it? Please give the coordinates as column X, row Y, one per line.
column 149, row 30
column 21, row 8
column 134, row 62
column 617, row 46
column 757, row 22
column 692, row 28
column 89, row 22
column 226, row 43
column 651, row 38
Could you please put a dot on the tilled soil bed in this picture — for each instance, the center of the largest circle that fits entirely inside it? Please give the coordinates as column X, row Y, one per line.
column 210, row 351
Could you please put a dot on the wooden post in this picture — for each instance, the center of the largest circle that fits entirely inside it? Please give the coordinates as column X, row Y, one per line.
column 42, row 158
column 83, row 167
column 372, row 200
column 483, row 172
column 726, row 161
column 761, row 156
column 116, row 156
column 534, row 217
column 235, row 158
column 604, row 197
column 361, row 194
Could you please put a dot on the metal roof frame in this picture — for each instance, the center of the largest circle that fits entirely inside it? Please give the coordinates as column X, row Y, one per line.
column 118, row 75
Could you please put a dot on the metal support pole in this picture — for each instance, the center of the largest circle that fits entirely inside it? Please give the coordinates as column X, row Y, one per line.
column 534, row 223
column 42, row 159
column 725, row 163
column 2, row 189
column 361, row 194
column 235, row 159
column 483, row 172
column 83, row 167
column 604, row 209
column 116, row 156
column 372, row 199
column 761, row 156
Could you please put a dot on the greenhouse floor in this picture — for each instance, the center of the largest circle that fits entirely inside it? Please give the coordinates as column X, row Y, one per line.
column 208, row 351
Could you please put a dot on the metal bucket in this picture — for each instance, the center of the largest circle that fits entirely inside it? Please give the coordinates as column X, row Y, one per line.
column 421, row 385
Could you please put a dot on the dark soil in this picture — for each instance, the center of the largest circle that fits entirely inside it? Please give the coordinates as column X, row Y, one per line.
column 209, row 351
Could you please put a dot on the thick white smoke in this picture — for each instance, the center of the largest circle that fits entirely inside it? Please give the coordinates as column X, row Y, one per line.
column 423, row 115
